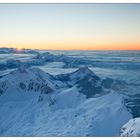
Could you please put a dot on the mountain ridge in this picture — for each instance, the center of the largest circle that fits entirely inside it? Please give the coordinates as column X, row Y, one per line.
column 35, row 103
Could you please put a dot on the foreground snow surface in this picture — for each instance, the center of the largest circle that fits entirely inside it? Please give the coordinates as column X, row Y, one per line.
column 131, row 128
column 71, row 115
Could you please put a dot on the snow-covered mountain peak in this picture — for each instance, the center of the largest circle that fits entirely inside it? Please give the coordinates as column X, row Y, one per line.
column 87, row 82
column 84, row 70
column 84, row 79
column 30, row 79
column 82, row 73
column 26, row 73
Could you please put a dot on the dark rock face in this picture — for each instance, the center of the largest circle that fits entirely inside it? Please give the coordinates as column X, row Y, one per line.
column 3, row 87
column 89, row 88
column 1, row 91
column 22, row 85
column 63, row 77
column 132, row 102
column 87, row 82
column 43, row 87
column 46, row 89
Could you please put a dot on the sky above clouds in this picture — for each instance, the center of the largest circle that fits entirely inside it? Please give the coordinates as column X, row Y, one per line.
column 70, row 26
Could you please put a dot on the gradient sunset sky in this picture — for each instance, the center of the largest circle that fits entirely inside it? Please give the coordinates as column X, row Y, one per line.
column 70, row 26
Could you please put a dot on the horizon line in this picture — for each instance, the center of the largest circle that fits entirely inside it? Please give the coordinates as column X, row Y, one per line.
column 74, row 49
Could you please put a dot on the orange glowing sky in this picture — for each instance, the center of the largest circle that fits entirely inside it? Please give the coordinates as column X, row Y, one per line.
column 70, row 26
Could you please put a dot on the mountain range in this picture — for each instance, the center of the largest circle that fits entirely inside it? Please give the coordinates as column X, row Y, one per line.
column 36, row 103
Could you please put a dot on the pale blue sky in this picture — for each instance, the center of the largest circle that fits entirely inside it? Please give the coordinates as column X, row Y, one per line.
column 55, row 25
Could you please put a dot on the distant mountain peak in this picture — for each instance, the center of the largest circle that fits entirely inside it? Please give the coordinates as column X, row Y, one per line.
column 84, row 69
column 83, row 72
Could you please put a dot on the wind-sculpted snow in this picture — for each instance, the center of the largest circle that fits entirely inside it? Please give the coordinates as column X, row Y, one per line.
column 131, row 128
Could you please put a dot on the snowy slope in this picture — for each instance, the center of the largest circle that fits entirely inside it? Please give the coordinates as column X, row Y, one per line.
column 100, row 116
column 30, row 108
column 131, row 128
